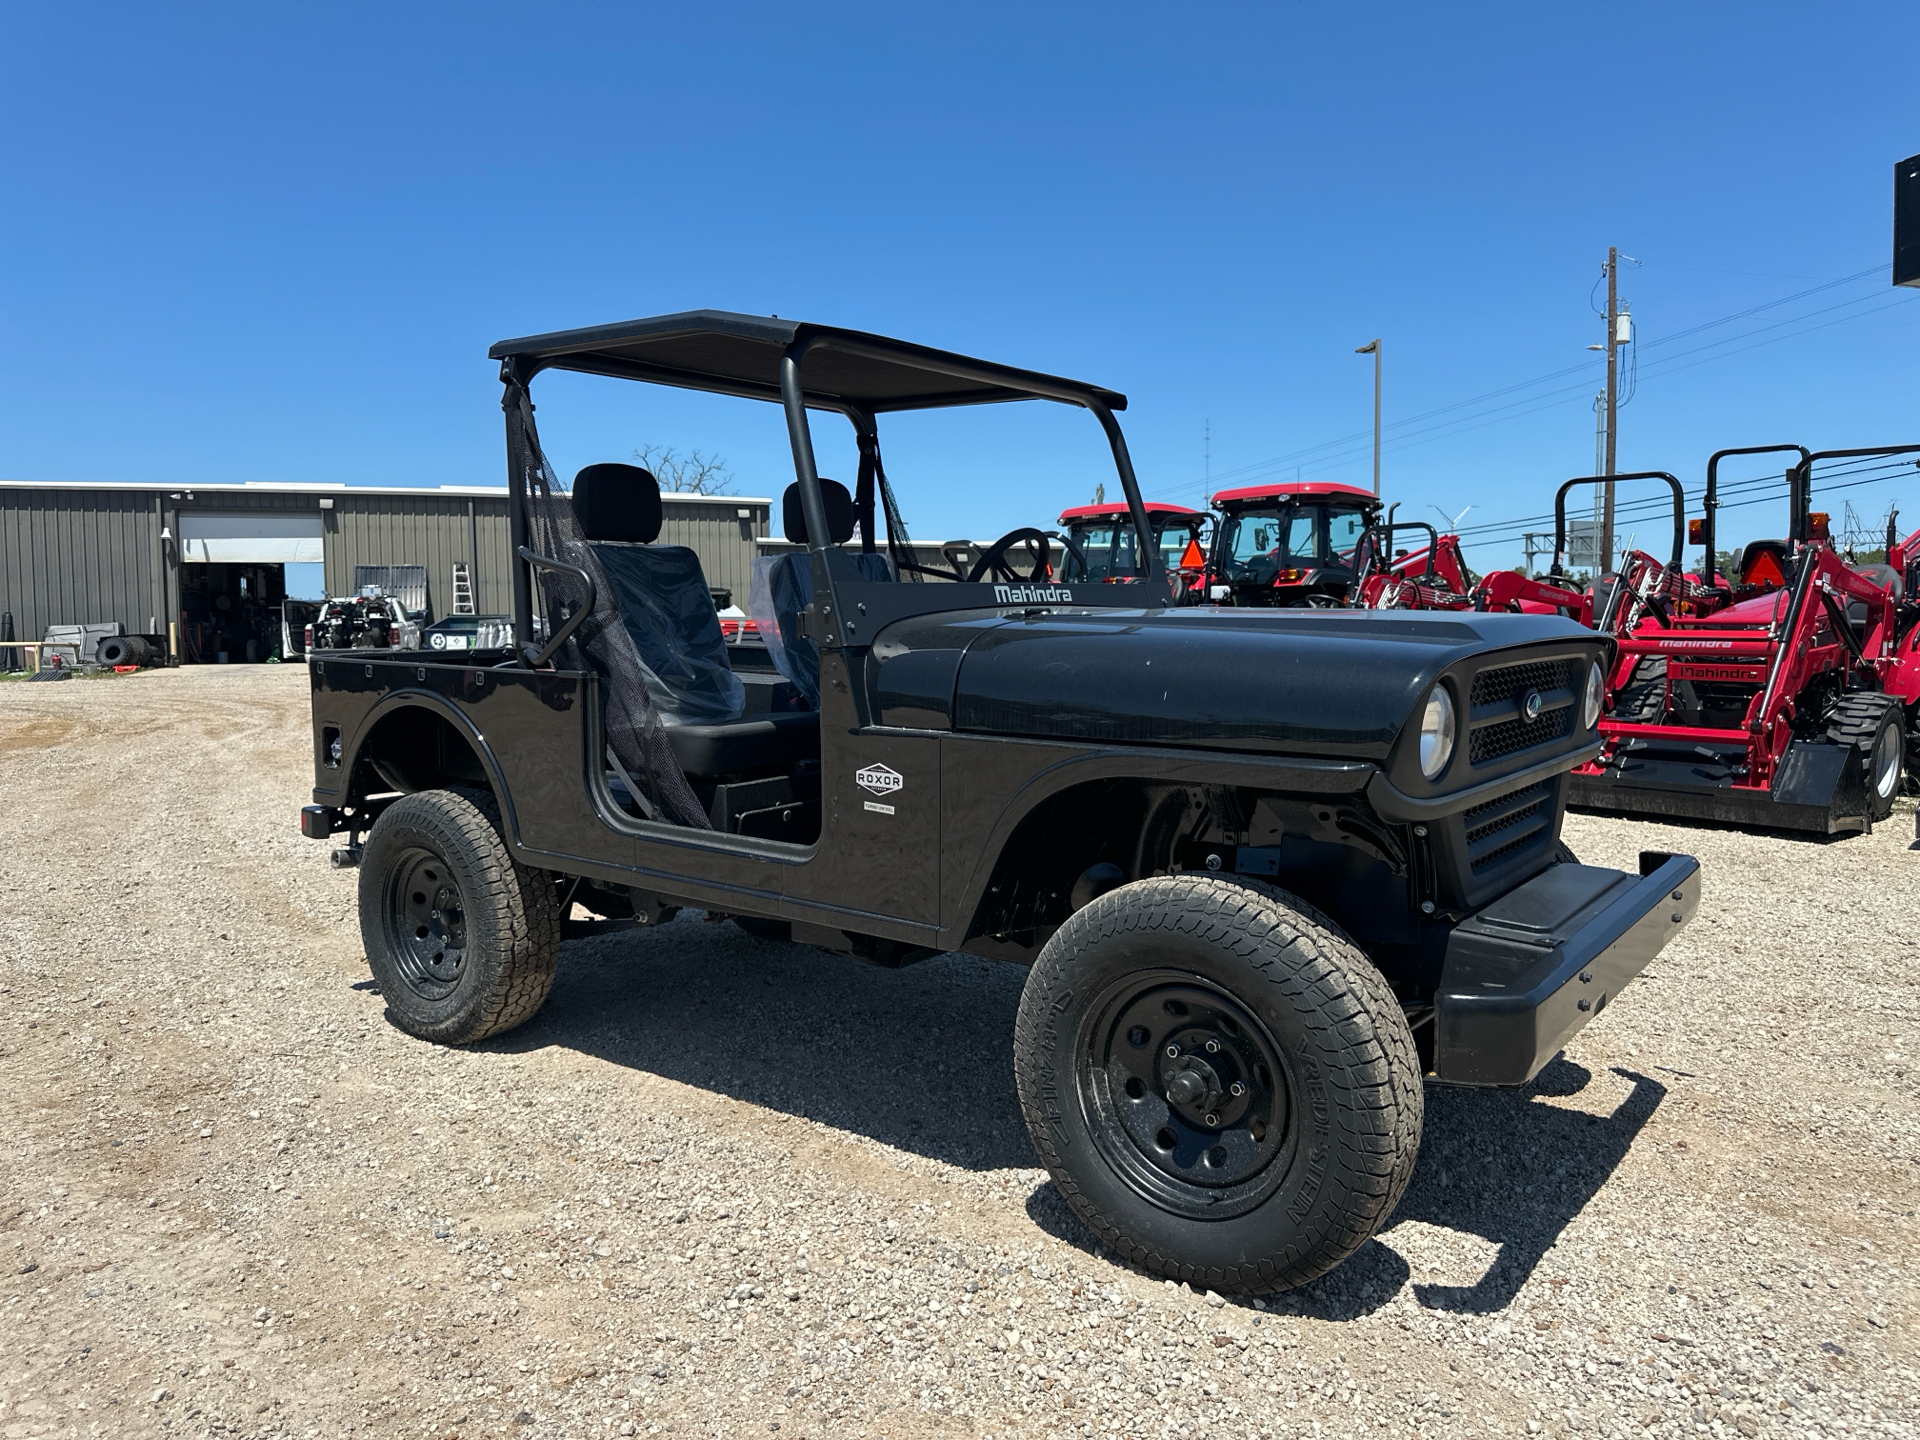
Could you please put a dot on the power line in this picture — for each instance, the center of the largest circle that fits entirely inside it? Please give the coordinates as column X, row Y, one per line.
column 1555, row 397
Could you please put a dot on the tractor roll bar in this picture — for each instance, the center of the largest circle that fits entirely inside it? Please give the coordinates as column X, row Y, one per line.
column 1380, row 555
column 1560, row 516
column 1806, row 474
column 1796, row 524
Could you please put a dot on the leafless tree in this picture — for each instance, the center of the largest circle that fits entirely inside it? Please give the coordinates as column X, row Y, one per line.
column 695, row 474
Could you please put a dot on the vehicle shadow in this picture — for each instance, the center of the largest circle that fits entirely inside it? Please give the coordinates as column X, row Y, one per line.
column 920, row 1059
column 1503, row 1165
column 1515, row 1170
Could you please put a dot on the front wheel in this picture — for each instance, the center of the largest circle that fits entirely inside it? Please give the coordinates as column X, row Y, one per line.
column 461, row 938
column 1873, row 725
column 1222, row 1086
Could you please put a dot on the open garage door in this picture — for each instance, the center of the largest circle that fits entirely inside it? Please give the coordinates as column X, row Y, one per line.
column 255, row 538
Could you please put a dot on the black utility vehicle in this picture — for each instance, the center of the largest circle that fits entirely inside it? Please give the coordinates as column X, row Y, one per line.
column 1270, row 868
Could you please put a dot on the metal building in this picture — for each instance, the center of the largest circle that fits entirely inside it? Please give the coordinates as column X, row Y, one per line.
column 204, row 567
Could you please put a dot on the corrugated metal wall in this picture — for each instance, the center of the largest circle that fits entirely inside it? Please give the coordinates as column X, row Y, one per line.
column 374, row 529
column 75, row 557
column 79, row 555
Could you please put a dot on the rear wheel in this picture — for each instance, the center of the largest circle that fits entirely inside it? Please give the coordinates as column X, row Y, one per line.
column 461, row 938
column 1874, row 725
column 1222, row 1086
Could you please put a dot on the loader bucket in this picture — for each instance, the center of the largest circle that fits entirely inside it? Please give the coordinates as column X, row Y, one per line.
column 1819, row 788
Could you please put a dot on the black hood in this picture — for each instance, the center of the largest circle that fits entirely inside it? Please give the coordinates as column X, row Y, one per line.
column 1333, row 683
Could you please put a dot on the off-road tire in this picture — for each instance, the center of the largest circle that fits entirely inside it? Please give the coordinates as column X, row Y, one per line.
column 1874, row 726
column 1643, row 699
column 1351, row 1071
column 508, row 919
column 1563, row 854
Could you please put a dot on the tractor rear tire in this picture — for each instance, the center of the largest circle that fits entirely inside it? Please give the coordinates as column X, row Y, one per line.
column 1223, row 1087
column 1643, row 699
column 461, row 937
column 1875, row 727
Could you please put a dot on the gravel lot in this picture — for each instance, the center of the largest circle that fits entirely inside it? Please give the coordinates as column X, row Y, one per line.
column 721, row 1187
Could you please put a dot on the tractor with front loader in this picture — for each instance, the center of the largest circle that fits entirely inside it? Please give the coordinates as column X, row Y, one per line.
column 1777, row 697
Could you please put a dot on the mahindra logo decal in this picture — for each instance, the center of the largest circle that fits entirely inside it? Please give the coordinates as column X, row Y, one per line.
column 1032, row 594
column 880, row 779
column 1530, row 704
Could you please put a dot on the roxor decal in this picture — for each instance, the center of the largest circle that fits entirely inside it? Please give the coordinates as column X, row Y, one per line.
column 880, row 779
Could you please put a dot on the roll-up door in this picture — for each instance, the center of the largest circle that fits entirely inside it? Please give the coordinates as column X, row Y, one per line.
column 288, row 537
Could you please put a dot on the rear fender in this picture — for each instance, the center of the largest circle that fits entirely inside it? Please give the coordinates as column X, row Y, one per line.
column 390, row 751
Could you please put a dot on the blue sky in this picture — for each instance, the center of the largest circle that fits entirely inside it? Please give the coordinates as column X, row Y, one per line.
column 273, row 243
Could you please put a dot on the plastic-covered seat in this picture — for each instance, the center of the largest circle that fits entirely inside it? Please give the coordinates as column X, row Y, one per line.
column 664, row 600
column 667, row 610
column 783, row 586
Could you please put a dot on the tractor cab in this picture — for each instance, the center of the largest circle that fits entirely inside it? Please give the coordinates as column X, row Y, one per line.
column 1100, row 545
column 1288, row 545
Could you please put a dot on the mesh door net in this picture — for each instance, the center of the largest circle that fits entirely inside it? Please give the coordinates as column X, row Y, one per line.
column 601, row 645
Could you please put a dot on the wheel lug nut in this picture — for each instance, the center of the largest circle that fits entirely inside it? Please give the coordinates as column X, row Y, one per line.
column 1172, row 1051
column 1237, row 1088
column 1213, row 1047
column 1212, row 1119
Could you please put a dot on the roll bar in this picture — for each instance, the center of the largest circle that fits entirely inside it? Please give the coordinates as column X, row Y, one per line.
column 1560, row 515
column 1797, row 500
column 1380, row 555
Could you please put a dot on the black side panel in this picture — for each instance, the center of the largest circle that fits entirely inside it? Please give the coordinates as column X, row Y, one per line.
column 531, row 726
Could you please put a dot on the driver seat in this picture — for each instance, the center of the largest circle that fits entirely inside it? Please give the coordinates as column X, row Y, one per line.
column 783, row 586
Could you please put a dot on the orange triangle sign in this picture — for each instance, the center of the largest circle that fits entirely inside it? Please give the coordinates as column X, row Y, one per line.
column 1766, row 571
column 1193, row 558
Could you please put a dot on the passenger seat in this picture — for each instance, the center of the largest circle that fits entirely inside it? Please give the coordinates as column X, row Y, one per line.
column 783, row 585
column 668, row 611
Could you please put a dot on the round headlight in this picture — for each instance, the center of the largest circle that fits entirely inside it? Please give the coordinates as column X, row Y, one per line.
column 1596, row 692
column 1436, row 732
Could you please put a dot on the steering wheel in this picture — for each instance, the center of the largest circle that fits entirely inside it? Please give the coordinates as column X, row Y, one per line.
column 997, row 563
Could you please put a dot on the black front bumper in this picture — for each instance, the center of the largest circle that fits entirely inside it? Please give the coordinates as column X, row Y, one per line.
column 1524, row 975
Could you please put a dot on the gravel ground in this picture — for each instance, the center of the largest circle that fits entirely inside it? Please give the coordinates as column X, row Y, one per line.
column 721, row 1187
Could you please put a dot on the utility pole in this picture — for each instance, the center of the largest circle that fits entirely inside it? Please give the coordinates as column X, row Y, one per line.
column 1373, row 349
column 1613, row 406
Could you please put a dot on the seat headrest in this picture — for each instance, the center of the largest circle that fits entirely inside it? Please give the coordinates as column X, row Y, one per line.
column 840, row 517
column 617, row 502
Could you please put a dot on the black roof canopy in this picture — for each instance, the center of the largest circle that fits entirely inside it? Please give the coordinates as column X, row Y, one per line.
column 734, row 354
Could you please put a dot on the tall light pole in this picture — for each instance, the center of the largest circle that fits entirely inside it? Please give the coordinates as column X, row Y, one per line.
column 1613, row 406
column 1373, row 349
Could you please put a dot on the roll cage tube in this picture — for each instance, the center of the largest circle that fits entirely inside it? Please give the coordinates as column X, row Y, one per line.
column 1379, row 556
column 1712, row 502
column 1805, row 507
column 1560, row 516
column 793, row 399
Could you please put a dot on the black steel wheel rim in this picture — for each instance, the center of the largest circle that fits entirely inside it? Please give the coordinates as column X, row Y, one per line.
column 1186, row 1093
column 426, row 923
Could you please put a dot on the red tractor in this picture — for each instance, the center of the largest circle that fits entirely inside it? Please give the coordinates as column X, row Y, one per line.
column 1437, row 577
column 1101, row 547
column 1288, row 544
column 1777, row 698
